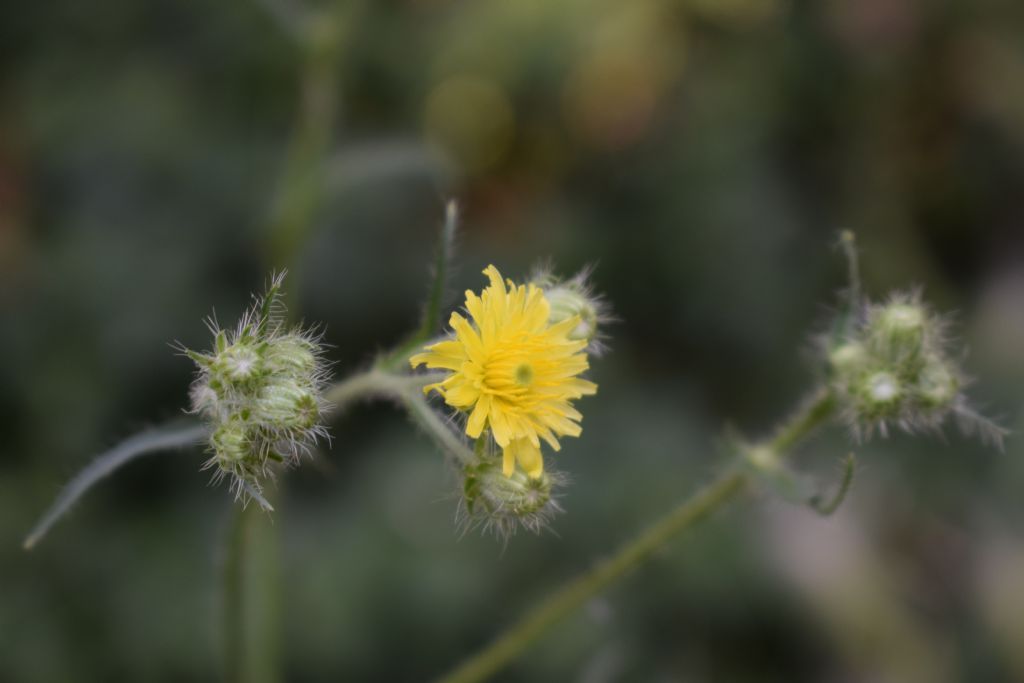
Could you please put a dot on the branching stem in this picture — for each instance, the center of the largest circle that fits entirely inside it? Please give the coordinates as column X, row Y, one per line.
column 578, row 591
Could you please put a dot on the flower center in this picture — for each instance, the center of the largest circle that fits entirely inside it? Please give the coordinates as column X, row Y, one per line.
column 523, row 374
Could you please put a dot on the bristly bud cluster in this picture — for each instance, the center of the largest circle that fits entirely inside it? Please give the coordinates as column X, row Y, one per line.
column 260, row 390
column 575, row 297
column 502, row 504
column 892, row 366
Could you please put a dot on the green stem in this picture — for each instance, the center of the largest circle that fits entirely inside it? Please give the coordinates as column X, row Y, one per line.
column 423, row 415
column 816, row 411
column 251, row 615
column 299, row 190
column 578, row 591
column 250, row 608
column 581, row 589
column 376, row 382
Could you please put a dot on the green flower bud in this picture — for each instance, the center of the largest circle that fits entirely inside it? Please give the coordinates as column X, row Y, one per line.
column 890, row 364
column 879, row 396
column 937, row 387
column 847, row 360
column 566, row 303
column 292, row 355
column 573, row 298
column 899, row 330
column 231, row 443
column 284, row 404
column 259, row 390
column 238, row 363
column 503, row 503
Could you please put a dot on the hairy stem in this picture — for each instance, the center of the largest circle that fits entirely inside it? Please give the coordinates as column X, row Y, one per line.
column 152, row 441
column 814, row 412
column 578, row 591
column 375, row 382
column 449, row 442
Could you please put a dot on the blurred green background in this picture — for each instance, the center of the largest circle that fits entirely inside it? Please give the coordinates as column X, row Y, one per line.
column 158, row 158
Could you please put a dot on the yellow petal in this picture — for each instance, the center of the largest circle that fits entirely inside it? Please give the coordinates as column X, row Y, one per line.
column 528, row 455
column 508, row 462
column 496, row 290
column 461, row 394
column 478, row 418
column 475, row 307
column 500, row 427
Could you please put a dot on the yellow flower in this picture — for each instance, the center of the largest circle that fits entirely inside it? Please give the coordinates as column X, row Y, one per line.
column 512, row 371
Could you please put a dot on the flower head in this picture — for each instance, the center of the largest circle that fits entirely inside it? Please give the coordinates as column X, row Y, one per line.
column 513, row 371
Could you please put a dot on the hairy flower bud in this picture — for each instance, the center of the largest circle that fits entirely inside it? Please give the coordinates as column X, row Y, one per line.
column 938, row 384
column 232, row 443
column 501, row 503
column 566, row 302
column 574, row 298
column 892, row 367
column 880, row 396
column 898, row 326
column 848, row 359
column 292, row 354
column 284, row 404
column 260, row 390
column 239, row 363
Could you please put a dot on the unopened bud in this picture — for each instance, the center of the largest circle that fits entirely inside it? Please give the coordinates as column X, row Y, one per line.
column 574, row 298
column 285, row 404
column 503, row 503
column 899, row 329
column 567, row 303
column 292, row 354
column 848, row 359
column 238, row 363
column 260, row 392
column 891, row 364
column 938, row 386
column 231, row 443
column 877, row 398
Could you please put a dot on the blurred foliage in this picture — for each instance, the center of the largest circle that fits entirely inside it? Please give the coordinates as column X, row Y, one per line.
column 702, row 153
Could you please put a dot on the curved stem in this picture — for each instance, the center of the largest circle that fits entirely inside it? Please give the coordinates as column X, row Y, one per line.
column 375, row 382
column 446, row 439
column 584, row 587
column 147, row 442
column 408, row 390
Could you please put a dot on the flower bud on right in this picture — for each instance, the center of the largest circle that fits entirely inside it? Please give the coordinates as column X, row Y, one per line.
column 894, row 369
column 574, row 298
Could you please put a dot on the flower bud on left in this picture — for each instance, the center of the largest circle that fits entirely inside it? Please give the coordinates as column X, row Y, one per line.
column 260, row 390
